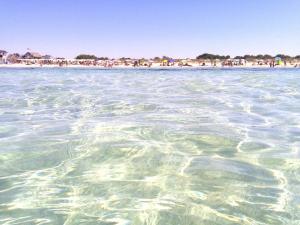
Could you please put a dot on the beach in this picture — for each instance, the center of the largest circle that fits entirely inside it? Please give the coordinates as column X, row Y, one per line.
column 154, row 65
column 35, row 59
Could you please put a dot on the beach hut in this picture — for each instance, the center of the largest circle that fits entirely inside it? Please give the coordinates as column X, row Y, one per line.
column 2, row 56
column 2, row 53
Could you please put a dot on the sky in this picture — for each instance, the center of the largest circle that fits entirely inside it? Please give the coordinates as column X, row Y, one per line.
column 149, row 28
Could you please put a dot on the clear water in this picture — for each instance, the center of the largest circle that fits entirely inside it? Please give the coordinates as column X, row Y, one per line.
column 118, row 147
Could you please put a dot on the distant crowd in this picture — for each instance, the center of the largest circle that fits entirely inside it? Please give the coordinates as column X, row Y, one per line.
column 204, row 60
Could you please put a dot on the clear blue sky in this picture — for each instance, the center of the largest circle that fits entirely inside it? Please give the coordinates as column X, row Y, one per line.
column 135, row 28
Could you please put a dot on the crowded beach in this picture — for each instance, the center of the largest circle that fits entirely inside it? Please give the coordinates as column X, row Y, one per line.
column 35, row 59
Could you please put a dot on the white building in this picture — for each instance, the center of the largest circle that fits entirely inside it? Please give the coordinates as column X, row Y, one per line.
column 3, row 55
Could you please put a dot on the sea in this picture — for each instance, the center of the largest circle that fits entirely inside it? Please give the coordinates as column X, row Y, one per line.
column 149, row 146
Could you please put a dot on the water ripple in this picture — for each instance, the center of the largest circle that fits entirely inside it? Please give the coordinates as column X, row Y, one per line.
column 149, row 146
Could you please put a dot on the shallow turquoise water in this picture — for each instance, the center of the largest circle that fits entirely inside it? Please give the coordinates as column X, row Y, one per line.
column 118, row 147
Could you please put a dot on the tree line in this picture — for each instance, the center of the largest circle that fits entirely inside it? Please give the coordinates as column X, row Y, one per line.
column 93, row 57
column 207, row 56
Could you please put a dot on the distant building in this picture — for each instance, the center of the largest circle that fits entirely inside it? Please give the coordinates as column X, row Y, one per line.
column 3, row 56
column 32, row 55
column 2, row 53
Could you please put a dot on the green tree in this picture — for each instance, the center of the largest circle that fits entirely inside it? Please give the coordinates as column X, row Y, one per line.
column 86, row 56
column 103, row 58
column 268, row 57
column 157, row 59
column 207, row 56
column 284, row 57
column 239, row 57
column 124, row 58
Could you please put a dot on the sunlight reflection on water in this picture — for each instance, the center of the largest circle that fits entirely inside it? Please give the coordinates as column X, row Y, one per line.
column 149, row 146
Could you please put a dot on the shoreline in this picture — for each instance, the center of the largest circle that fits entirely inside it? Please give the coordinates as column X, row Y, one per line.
column 35, row 66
